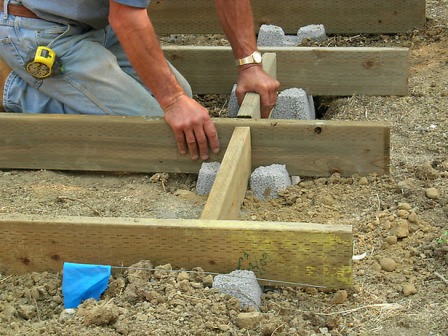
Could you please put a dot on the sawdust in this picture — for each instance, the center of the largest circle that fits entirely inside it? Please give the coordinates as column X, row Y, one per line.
column 400, row 287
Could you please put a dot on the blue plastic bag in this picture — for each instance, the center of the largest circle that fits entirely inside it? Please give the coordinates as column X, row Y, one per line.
column 82, row 281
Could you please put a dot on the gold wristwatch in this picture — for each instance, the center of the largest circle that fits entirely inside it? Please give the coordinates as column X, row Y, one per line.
column 254, row 58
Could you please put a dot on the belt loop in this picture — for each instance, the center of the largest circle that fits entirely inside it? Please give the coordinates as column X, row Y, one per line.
column 5, row 9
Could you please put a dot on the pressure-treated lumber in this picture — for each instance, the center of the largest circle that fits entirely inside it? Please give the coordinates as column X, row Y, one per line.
column 138, row 144
column 342, row 16
column 110, row 143
column 251, row 105
column 333, row 71
column 314, row 254
column 229, row 188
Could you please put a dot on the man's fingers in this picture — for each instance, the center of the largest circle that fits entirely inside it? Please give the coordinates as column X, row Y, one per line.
column 180, row 139
column 192, row 144
column 212, row 135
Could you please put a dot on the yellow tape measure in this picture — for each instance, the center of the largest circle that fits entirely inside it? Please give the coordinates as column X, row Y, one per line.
column 45, row 64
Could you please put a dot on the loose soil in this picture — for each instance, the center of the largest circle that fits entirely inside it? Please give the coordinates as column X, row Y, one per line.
column 399, row 221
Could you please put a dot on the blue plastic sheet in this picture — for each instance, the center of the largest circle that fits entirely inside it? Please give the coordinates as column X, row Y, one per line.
column 82, row 281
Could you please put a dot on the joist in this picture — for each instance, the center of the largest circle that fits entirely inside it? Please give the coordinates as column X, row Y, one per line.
column 342, row 16
column 300, row 253
column 138, row 144
column 336, row 71
column 230, row 185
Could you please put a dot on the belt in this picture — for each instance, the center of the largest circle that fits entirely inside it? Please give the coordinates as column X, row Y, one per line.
column 18, row 10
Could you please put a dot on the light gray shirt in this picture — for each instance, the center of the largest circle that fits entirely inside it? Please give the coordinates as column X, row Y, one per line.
column 87, row 13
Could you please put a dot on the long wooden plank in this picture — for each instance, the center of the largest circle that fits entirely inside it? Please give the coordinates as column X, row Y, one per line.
column 342, row 16
column 230, row 186
column 319, row 71
column 138, row 144
column 314, row 254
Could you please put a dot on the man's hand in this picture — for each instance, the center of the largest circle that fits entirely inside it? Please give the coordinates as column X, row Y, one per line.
column 192, row 127
column 252, row 78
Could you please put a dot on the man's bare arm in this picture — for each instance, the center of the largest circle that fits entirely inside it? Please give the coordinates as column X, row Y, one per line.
column 236, row 19
column 190, row 122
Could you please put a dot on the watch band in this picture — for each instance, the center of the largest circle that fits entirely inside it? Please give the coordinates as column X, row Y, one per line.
column 254, row 58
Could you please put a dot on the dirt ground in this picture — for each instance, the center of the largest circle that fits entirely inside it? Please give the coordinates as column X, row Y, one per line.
column 400, row 221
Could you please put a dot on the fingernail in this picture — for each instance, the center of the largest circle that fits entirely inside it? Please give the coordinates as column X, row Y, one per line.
column 194, row 157
column 205, row 157
column 216, row 150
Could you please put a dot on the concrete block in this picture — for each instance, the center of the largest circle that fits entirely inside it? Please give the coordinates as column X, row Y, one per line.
column 240, row 284
column 294, row 103
column 206, row 177
column 314, row 32
column 233, row 107
column 266, row 182
column 270, row 36
column 291, row 41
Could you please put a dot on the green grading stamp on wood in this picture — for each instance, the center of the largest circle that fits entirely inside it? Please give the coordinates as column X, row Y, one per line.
column 254, row 263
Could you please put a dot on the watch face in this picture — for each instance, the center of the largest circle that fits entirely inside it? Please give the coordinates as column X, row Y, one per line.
column 257, row 57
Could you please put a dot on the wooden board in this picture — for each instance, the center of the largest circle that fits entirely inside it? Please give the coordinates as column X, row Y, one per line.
column 319, row 71
column 342, row 16
column 313, row 254
column 230, row 186
column 138, row 144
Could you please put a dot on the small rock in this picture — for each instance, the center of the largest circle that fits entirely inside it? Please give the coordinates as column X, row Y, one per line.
column 388, row 264
column 391, row 240
column 376, row 267
column 27, row 312
column 340, row 297
column 409, row 289
column 183, row 276
column 67, row 314
column 363, row 181
column 413, row 218
column 208, row 280
column 100, row 315
column 248, row 321
column 400, row 229
column 432, row 193
column 403, row 213
column 404, row 206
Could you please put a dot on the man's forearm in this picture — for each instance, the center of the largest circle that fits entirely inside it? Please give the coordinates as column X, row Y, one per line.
column 140, row 42
column 236, row 19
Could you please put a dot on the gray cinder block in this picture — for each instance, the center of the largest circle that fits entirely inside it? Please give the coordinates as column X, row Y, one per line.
column 270, row 36
column 266, row 182
column 233, row 107
column 206, row 177
column 315, row 32
column 241, row 284
column 294, row 103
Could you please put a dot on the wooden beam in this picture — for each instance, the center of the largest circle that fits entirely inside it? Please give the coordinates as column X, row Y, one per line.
column 138, row 144
column 314, row 254
column 343, row 16
column 230, row 186
column 319, row 71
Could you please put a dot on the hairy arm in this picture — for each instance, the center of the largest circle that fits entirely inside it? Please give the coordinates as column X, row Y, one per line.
column 236, row 19
column 190, row 122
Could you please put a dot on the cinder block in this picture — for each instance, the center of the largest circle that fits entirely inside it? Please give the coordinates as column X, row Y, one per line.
column 270, row 36
column 240, row 284
column 315, row 32
column 233, row 107
column 291, row 41
column 294, row 103
column 266, row 182
column 206, row 177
